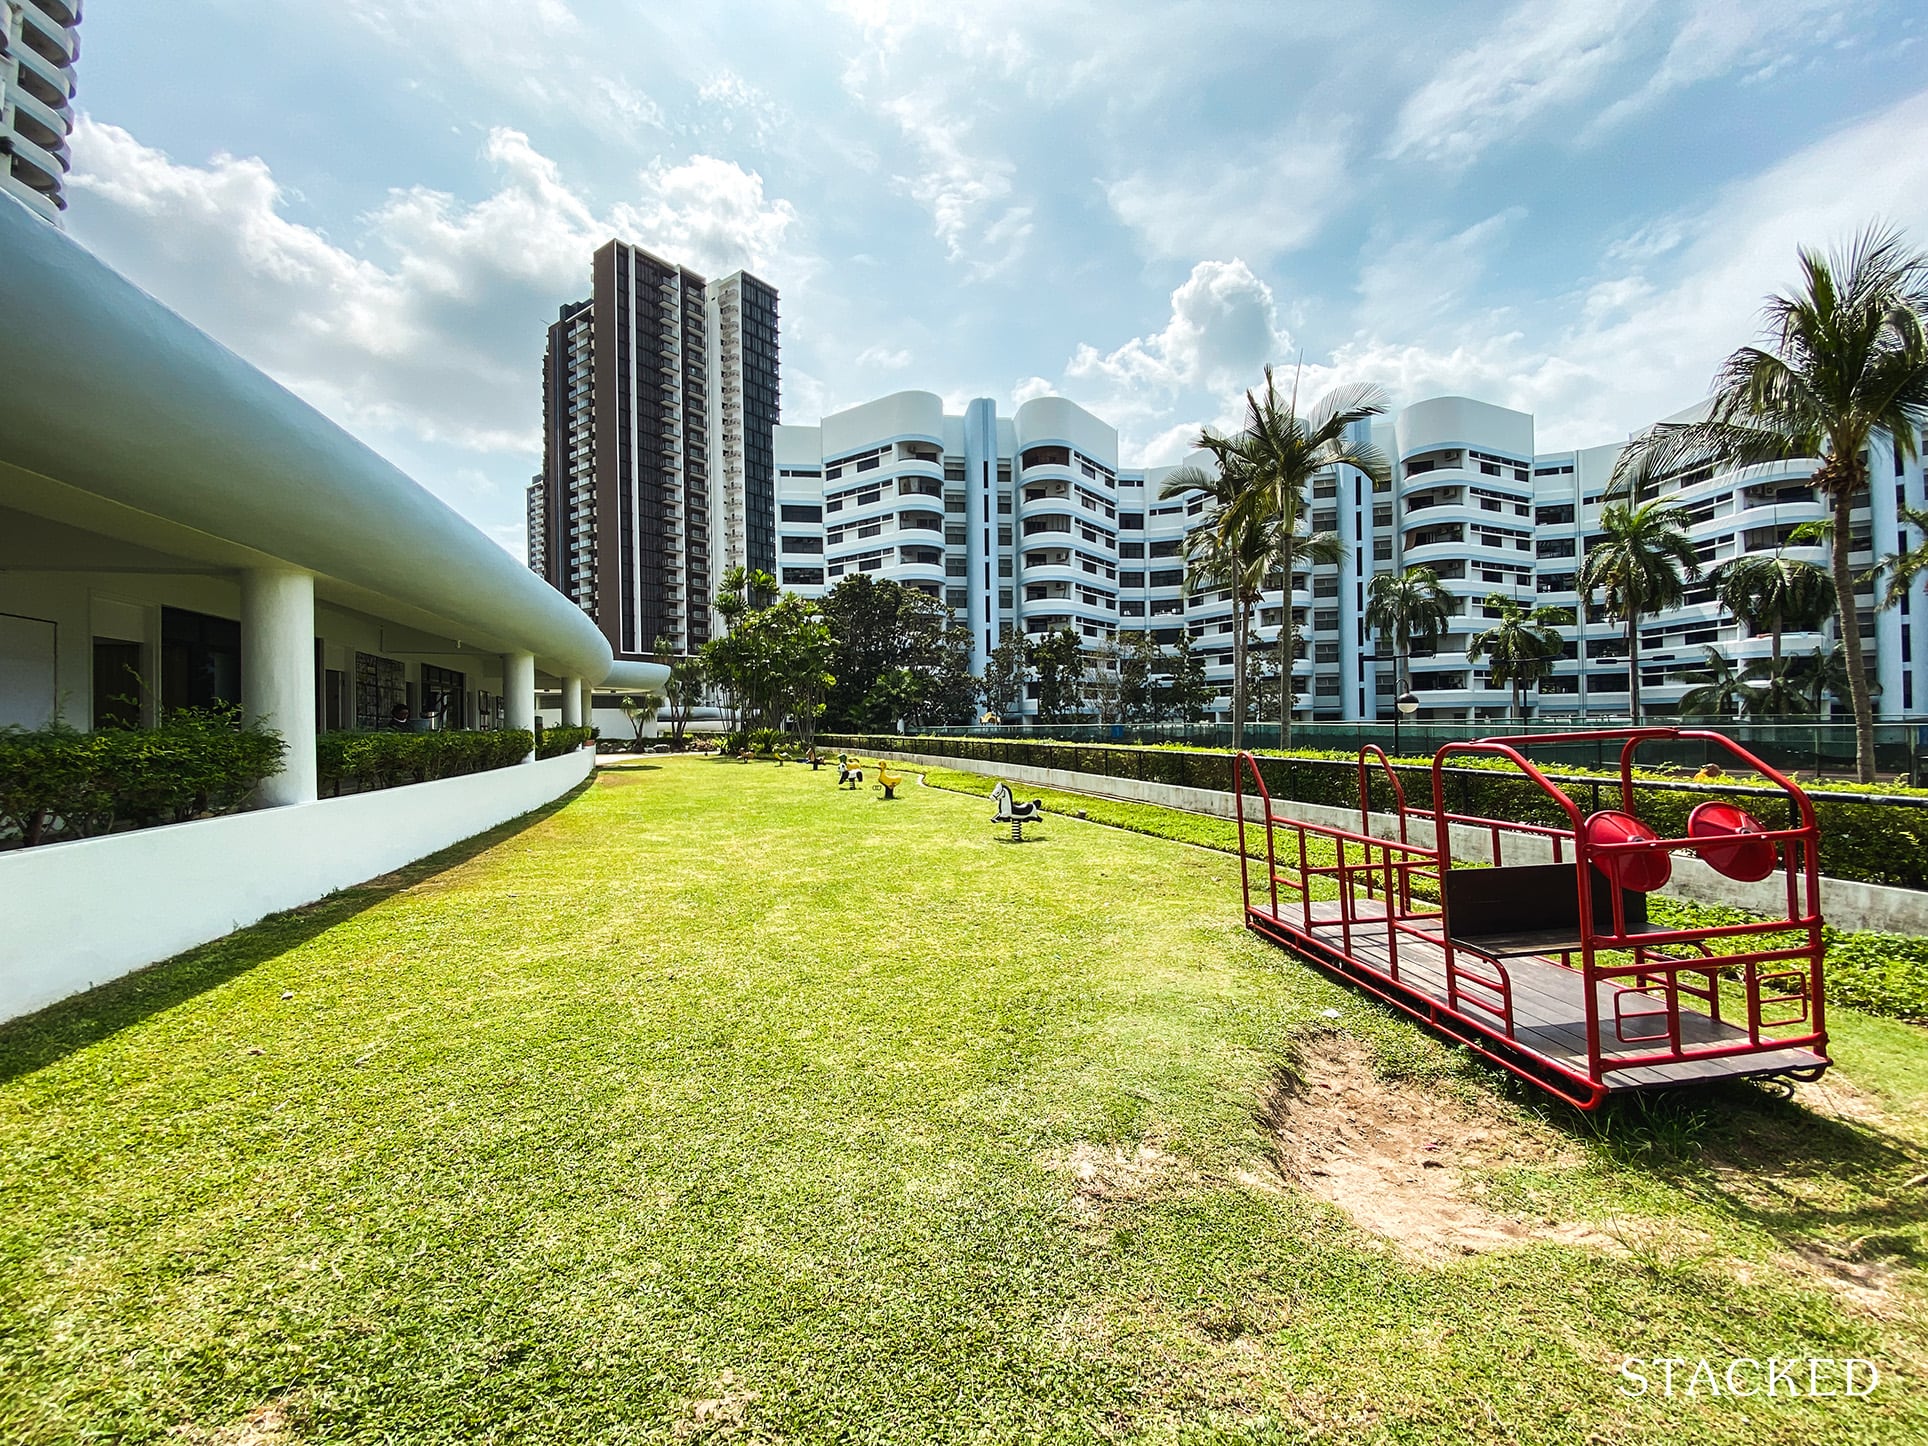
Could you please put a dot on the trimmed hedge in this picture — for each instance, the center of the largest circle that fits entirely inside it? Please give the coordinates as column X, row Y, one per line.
column 1876, row 843
column 554, row 742
column 357, row 762
column 59, row 783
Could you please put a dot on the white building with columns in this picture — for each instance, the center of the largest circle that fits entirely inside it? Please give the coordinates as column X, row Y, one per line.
column 178, row 529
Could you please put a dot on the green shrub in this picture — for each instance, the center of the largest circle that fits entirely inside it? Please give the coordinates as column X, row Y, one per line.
column 58, row 783
column 357, row 762
column 765, row 741
column 555, row 742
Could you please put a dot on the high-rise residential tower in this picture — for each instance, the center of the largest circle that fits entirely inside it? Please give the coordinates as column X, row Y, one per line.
column 743, row 370
column 39, row 44
column 620, row 517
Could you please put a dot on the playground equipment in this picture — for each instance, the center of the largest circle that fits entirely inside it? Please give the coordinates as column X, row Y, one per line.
column 1010, row 811
column 886, row 780
column 850, row 772
column 1546, row 962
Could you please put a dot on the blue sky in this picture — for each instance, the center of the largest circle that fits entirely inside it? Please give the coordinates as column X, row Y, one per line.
column 1573, row 208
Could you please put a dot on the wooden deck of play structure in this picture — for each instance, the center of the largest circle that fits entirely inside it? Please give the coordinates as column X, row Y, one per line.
column 1548, row 1013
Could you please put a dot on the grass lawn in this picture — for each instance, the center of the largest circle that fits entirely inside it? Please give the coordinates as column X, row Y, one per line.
column 719, row 1104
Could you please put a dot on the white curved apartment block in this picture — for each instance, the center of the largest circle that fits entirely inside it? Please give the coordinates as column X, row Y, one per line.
column 1041, row 529
column 39, row 45
column 1067, row 520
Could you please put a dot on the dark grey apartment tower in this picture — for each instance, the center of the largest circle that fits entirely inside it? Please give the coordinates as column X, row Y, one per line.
column 623, row 503
column 744, row 411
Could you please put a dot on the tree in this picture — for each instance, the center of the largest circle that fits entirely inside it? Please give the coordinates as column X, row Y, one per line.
column 1102, row 687
column 1722, row 690
column 1521, row 647
column 1059, row 659
column 1907, row 564
column 1641, row 563
column 1141, row 663
column 1006, row 676
column 1824, row 674
column 1779, row 688
column 683, row 690
column 640, row 709
column 1275, row 459
column 880, row 625
column 775, row 663
column 1843, row 360
column 1404, row 608
column 1188, row 693
column 1773, row 592
column 1231, row 549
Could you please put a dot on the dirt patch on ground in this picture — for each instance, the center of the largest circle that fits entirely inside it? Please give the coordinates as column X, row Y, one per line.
column 1103, row 1173
column 265, row 1425
column 1397, row 1157
column 729, row 1415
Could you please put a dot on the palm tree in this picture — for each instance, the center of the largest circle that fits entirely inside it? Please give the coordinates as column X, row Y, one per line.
column 1407, row 607
column 1844, row 360
column 1230, row 549
column 1522, row 646
column 1780, row 688
column 1906, row 564
column 1278, row 454
column 1641, row 563
column 1772, row 592
column 1722, row 690
column 1822, row 674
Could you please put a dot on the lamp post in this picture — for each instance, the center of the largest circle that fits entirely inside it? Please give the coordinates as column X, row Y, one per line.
column 1404, row 706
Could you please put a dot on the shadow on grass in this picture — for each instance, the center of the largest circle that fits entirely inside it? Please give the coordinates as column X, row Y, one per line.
column 1760, row 1157
column 34, row 1041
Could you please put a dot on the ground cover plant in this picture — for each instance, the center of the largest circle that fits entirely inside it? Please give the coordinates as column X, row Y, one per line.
column 720, row 1104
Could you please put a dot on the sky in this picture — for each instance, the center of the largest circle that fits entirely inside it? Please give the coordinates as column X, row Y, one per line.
column 1570, row 208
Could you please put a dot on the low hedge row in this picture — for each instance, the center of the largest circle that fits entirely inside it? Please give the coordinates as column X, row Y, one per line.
column 554, row 742
column 1874, row 842
column 59, row 783
column 357, row 762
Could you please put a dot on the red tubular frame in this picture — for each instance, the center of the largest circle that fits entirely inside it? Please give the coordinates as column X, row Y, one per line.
column 1483, row 1019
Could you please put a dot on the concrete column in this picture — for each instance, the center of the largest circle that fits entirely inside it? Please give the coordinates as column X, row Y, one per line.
column 278, row 674
column 588, row 704
column 571, row 701
column 519, row 692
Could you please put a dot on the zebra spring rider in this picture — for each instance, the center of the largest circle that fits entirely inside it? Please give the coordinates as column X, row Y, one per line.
column 1010, row 811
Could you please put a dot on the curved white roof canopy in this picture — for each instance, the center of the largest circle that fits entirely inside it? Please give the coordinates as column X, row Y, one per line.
column 118, row 415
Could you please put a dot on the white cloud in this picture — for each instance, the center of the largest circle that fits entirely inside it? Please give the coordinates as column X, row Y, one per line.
column 430, row 327
column 884, row 358
column 1269, row 200
column 1411, row 279
column 1718, row 37
column 1028, row 389
column 1223, row 328
column 1543, row 55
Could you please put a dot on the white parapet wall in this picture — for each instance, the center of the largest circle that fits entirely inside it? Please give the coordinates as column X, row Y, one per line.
column 82, row 913
column 1845, row 903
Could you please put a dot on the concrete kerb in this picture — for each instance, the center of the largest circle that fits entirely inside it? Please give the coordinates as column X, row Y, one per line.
column 1845, row 903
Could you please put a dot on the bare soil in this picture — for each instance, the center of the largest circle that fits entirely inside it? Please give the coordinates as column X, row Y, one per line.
column 1400, row 1159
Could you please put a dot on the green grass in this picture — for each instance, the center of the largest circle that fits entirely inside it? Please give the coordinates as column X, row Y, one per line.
column 719, row 1085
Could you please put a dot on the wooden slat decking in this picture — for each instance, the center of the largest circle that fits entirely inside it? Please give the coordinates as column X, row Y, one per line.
column 1549, row 1005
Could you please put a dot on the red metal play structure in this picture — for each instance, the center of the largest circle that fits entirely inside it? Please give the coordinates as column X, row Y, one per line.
column 1548, row 965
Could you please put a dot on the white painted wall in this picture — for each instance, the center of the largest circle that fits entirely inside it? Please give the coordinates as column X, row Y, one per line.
column 83, row 913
